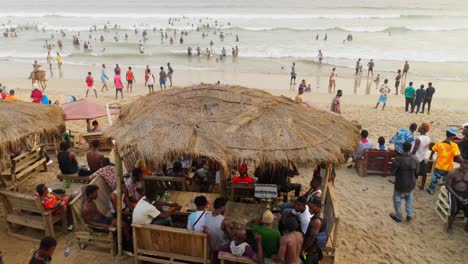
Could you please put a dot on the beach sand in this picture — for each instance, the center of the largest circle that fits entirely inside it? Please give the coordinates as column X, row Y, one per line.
column 366, row 232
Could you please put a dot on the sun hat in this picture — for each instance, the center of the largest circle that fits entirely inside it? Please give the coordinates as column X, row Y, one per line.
column 268, row 217
column 452, row 131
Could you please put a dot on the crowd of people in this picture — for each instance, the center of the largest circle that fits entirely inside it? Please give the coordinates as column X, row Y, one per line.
column 413, row 152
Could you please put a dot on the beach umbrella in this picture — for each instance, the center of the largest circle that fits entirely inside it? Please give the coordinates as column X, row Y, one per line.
column 84, row 109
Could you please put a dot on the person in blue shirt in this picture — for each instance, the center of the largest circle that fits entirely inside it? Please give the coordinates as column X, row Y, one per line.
column 402, row 136
column 420, row 95
column 410, row 92
column 381, row 142
column 104, row 78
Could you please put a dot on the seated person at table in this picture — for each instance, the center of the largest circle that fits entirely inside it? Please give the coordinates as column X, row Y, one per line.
column 217, row 224
column 51, row 201
column 178, row 171
column 145, row 211
column 107, row 172
column 94, row 157
column 134, row 186
column 91, row 214
column 244, row 177
column 270, row 236
column 126, row 211
column 238, row 246
column 363, row 145
column 196, row 220
column 381, row 142
column 67, row 161
column 315, row 237
column 300, row 211
column 290, row 244
column 96, row 127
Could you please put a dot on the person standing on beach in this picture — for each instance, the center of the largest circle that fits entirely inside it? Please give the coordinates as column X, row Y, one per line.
column 421, row 146
column 384, row 91
column 104, row 78
column 402, row 136
column 336, row 103
column 320, row 56
column 405, row 168
column 130, row 79
column 405, row 69
column 447, row 153
column 50, row 60
column 430, row 91
column 290, row 244
column 332, row 81
column 410, row 92
column 457, row 185
column 377, row 81
column 118, row 86
column 59, row 61
column 150, row 81
column 162, row 78
column 358, row 66
column 293, row 76
column 90, row 84
column 397, row 81
column 370, row 68
column 170, row 72
column 117, row 70
column 420, row 95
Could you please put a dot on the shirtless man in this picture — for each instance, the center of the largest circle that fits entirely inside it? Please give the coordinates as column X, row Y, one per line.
column 94, row 156
column 290, row 244
column 457, row 185
column 91, row 214
column 332, row 81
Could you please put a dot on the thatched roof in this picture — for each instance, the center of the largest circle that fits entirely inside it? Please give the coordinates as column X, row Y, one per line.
column 20, row 121
column 231, row 123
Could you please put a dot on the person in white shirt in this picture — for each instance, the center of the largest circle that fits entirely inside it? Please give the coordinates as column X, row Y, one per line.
column 421, row 146
column 300, row 211
column 196, row 220
column 145, row 211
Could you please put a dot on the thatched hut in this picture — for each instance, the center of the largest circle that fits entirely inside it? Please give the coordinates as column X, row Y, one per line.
column 231, row 123
column 27, row 123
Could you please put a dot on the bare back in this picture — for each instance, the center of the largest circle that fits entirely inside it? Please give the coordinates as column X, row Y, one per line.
column 293, row 242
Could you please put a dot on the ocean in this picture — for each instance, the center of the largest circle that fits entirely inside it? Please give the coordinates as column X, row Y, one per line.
column 431, row 34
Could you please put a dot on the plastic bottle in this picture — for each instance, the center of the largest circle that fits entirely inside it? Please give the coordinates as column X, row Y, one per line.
column 67, row 182
column 67, row 251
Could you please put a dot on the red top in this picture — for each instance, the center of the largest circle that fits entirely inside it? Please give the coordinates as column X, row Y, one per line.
column 36, row 96
column 238, row 179
column 89, row 81
column 129, row 76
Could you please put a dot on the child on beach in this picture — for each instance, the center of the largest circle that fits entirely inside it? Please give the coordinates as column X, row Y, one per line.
column 118, row 86
column 377, row 81
column 381, row 142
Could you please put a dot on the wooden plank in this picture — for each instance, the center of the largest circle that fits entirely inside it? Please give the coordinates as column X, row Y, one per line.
column 31, row 168
column 174, row 256
column 33, row 221
column 236, row 259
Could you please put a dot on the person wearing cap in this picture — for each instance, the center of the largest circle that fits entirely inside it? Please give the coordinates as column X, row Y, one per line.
column 36, row 94
column 315, row 236
column 263, row 225
column 402, row 136
column 196, row 220
column 463, row 144
column 299, row 95
column 421, row 146
column 457, row 185
column 447, row 152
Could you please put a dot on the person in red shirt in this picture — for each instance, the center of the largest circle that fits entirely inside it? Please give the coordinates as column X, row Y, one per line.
column 243, row 178
column 3, row 95
column 130, row 79
column 36, row 94
column 49, row 200
column 90, row 84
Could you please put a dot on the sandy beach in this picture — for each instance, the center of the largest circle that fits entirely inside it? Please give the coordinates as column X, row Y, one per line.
column 366, row 233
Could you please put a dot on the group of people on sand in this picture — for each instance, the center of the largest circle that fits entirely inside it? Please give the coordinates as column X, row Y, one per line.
column 130, row 80
column 411, row 163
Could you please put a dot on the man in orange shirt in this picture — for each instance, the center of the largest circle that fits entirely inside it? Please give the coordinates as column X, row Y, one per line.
column 447, row 152
column 11, row 96
column 130, row 79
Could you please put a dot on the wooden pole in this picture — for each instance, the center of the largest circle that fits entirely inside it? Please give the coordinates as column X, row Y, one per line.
column 326, row 180
column 119, row 176
column 222, row 179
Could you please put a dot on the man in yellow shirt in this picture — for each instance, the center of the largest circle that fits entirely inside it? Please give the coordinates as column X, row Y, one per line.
column 447, row 153
column 11, row 96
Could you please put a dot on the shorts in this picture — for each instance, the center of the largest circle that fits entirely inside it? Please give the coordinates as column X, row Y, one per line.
column 130, row 81
column 293, row 77
column 91, row 87
column 169, row 75
column 456, row 205
column 150, row 86
column 397, row 84
column 161, row 82
column 103, row 82
column 422, row 168
column 383, row 99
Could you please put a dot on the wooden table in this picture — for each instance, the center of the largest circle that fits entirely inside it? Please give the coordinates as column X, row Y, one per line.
column 75, row 189
column 184, row 199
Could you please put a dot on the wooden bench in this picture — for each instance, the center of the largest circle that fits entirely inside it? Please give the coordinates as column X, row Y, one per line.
column 23, row 167
column 225, row 257
column 242, row 190
column 85, row 235
column 27, row 210
column 377, row 162
column 161, row 244
column 104, row 143
column 74, row 178
column 443, row 207
column 332, row 221
column 162, row 183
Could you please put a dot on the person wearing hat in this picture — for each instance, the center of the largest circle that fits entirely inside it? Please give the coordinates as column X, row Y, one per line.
column 463, row 144
column 263, row 225
column 447, row 152
column 421, row 145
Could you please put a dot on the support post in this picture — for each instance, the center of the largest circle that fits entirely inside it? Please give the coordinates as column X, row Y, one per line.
column 222, row 179
column 326, row 180
column 119, row 175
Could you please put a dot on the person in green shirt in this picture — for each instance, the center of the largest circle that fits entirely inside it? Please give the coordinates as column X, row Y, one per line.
column 270, row 236
column 410, row 92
